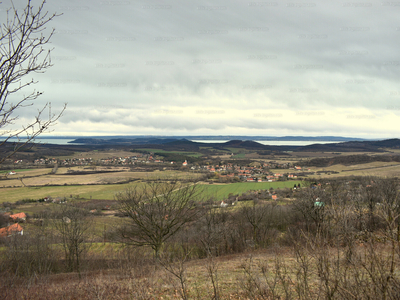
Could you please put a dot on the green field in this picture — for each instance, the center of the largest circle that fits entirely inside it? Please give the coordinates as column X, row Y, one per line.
column 160, row 151
column 221, row 191
column 106, row 192
column 239, row 155
column 16, row 170
column 236, row 150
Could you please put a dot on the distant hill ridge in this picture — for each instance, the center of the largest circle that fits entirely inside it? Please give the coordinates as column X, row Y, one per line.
column 170, row 143
column 162, row 139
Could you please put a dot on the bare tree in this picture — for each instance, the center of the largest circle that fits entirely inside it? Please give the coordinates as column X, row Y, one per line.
column 30, row 254
column 371, row 197
column 4, row 220
column 73, row 224
column 212, row 272
column 257, row 216
column 211, row 231
column 389, row 195
column 23, row 41
column 174, row 263
column 156, row 211
column 311, row 204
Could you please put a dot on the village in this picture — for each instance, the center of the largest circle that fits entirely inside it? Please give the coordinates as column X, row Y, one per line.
column 212, row 171
column 256, row 171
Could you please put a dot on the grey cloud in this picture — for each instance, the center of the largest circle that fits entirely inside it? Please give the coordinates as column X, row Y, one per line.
column 145, row 55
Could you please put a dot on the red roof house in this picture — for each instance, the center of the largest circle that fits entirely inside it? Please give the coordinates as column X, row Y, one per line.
column 11, row 230
column 19, row 216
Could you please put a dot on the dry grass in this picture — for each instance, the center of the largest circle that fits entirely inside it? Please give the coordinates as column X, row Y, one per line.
column 112, row 175
column 29, row 173
column 128, row 282
column 65, row 170
column 84, row 191
column 88, row 186
column 311, row 155
column 98, row 154
column 380, row 169
column 268, row 274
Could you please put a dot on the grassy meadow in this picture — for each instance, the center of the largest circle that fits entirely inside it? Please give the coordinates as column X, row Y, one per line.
column 381, row 169
column 160, row 151
column 108, row 191
column 221, row 191
column 38, row 183
column 98, row 191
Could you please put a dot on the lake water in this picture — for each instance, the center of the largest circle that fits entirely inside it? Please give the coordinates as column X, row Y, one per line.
column 65, row 141
column 57, row 141
column 273, row 143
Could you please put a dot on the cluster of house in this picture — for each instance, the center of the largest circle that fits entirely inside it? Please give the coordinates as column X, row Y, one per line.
column 250, row 195
column 259, row 173
column 45, row 161
column 85, row 161
column 14, row 228
column 55, row 200
column 127, row 160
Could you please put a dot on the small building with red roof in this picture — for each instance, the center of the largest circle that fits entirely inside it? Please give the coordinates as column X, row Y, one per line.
column 18, row 217
column 11, row 230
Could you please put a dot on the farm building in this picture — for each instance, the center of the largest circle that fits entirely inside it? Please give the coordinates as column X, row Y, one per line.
column 18, row 217
column 11, row 230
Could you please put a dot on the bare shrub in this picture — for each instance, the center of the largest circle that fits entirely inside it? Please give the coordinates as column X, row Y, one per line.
column 174, row 264
column 30, row 255
column 73, row 226
column 156, row 213
column 23, row 43
column 213, row 275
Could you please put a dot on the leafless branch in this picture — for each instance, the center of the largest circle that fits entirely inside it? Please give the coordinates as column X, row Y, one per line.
column 23, row 40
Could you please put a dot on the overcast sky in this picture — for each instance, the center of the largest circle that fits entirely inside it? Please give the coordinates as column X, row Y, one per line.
column 225, row 67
